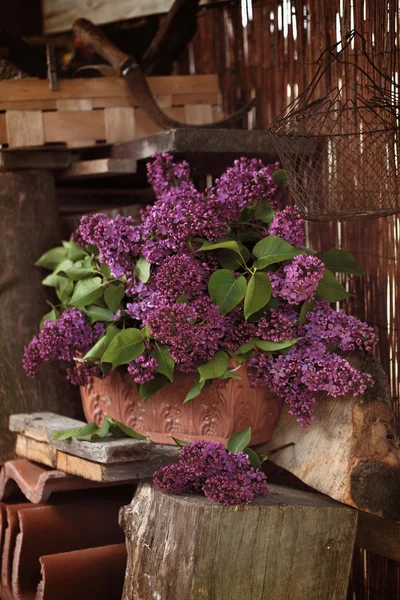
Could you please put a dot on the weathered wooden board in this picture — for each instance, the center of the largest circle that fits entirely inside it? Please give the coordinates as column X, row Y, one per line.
column 42, row 452
column 291, row 545
column 39, row 159
column 29, row 226
column 40, row 427
column 59, row 15
column 350, row 452
column 100, row 167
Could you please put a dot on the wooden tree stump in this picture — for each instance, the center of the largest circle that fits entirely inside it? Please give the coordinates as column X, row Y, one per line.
column 28, row 227
column 351, row 450
column 290, row 545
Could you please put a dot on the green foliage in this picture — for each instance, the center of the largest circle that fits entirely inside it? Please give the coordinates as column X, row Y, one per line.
column 110, row 428
column 254, row 458
column 195, row 390
column 240, row 440
column 99, row 313
column 86, row 292
column 52, row 258
column 269, row 346
column 258, row 293
column 97, row 351
column 280, row 178
column 166, row 363
column 229, row 244
column 307, row 306
column 340, row 261
column 264, row 212
column 271, row 250
column 216, row 367
column 124, row 347
column 329, row 288
column 147, row 390
column 228, row 259
column 113, row 295
column 226, row 290
column 142, row 269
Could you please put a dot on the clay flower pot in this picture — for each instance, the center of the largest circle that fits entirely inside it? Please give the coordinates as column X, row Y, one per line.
column 227, row 406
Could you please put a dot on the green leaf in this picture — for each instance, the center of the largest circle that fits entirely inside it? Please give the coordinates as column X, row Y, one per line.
column 258, row 293
column 97, row 351
column 226, row 290
column 166, row 363
column 64, row 289
column 307, row 306
column 195, row 390
column 240, row 440
column 229, row 244
column 124, row 347
column 254, row 459
column 142, row 269
column 264, row 212
column 105, row 270
column 269, row 346
column 127, row 431
column 280, row 178
column 99, row 313
column 230, row 375
column 244, row 348
column 146, row 390
column 329, row 288
column 77, row 271
column 180, row 443
column 182, row 299
column 214, row 367
column 74, row 252
column 228, row 259
column 340, row 261
column 86, row 292
column 50, row 316
column 113, row 295
column 52, row 258
column 271, row 250
column 80, row 433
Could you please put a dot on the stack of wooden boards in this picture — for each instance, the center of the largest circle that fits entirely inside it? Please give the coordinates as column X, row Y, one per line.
column 108, row 460
column 86, row 112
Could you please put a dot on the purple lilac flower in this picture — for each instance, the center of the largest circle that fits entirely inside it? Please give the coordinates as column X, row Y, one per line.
column 307, row 368
column 338, row 329
column 223, row 476
column 182, row 274
column 164, row 173
column 83, row 372
column 64, row 339
column 118, row 241
column 237, row 330
column 288, row 225
column 143, row 368
column 191, row 330
column 297, row 281
column 276, row 326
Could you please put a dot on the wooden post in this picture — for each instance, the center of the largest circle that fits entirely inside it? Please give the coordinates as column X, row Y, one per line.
column 28, row 227
column 290, row 545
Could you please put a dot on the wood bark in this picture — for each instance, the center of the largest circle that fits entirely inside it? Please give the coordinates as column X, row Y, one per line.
column 291, row 545
column 351, row 451
column 28, row 227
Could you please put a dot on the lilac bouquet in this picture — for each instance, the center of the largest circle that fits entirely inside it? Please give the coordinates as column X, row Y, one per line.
column 205, row 282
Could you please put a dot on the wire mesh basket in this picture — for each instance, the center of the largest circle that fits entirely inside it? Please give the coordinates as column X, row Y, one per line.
column 341, row 151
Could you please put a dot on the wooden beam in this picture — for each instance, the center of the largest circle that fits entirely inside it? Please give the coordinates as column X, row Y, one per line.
column 13, row 160
column 379, row 536
column 101, row 167
column 59, row 15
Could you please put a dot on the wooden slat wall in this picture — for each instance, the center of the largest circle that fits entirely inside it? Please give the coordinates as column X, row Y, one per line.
column 273, row 56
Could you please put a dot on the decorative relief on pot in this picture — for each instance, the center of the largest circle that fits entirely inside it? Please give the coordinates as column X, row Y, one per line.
column 225, row 407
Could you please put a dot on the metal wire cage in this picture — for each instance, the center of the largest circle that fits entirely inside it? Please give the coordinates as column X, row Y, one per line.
column 342, row 151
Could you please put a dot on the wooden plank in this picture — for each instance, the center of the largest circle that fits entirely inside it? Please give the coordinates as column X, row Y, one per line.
column 28, row 90
column 73, row 104
column 28, row 104
column 40, row 427
column 213, row 142
column 379, row 536
column 101, row 167
column 24, row 128
column 119, row 124
column 40, row 452
column 290, row 544
column 73, row 126
column 197, row 114
column 35, row 159
column 163, row 100
column 59, row 15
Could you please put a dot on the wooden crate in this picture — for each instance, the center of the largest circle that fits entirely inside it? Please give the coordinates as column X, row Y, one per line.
column 86, row 112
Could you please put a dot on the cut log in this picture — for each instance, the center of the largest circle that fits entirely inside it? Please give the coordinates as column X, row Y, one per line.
column 28, row 227
column 350, row 452
column 291, row 544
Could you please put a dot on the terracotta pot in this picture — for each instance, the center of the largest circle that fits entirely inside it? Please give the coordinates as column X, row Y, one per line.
column 227, row 406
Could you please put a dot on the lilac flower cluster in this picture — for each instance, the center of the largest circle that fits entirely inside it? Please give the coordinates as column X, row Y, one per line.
column 67, row 339
column 276, row 326
column 117, row 240
column 298, row 279
column 143, row 368
column 237, row 330
column 338, row 329
column 182, row 274
column 223, row 476
column 191, row 330
column 288, row 225
column 307, row 368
